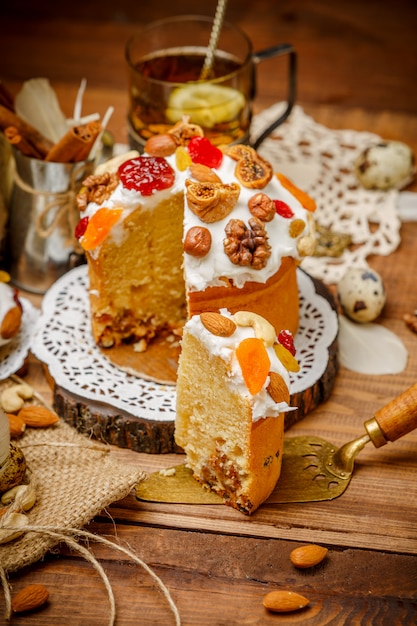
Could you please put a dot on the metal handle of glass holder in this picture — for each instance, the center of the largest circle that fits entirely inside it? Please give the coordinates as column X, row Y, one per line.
column 263, row 55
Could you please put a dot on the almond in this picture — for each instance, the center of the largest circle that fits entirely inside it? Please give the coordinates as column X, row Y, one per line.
column 29, row 598
column 11, row 323
column 203, row 173
column 277, row 388
column 16, row 424
column 218, row 324
column 284, row 601
column 161, row 145
column 37, row 416
column 307, row 556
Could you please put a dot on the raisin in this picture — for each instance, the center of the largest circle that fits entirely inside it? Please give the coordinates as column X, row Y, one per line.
column 203, row 151
column 147, row 174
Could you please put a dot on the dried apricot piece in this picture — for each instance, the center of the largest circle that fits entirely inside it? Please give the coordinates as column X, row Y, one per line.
column 254, row 363
column 304, row 199
column 98, row 227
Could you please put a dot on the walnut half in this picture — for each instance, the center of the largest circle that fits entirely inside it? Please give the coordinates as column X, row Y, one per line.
column 96, row 188
column 247, row 245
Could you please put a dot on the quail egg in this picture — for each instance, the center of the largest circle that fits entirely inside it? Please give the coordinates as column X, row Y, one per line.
column 361, row 294
column 386, row 165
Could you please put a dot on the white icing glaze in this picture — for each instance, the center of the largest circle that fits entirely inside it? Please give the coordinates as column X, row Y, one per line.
column 224, row 347
column 207, row 271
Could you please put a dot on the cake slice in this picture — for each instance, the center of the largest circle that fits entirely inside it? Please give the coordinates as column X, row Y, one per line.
column 232, row 393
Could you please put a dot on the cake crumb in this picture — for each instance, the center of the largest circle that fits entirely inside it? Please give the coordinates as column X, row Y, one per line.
column 167, row 472
column 140, row 346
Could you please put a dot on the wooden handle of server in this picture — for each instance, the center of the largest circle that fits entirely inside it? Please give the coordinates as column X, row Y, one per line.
column 397, row 418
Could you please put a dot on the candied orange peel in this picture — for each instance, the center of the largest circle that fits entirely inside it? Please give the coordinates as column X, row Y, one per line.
column 99, row 227
column 304, row 199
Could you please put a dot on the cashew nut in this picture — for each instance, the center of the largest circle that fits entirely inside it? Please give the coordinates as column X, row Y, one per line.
column 263, row 329
column 23, row 496
column 10, row 525
column 12, row 398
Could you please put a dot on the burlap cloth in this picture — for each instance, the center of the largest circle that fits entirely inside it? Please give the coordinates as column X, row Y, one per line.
column 74, row 479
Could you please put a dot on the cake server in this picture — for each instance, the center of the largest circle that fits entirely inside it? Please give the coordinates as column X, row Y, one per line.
column 313, row 469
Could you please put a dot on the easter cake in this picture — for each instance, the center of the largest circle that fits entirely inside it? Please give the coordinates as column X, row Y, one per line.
column 188, row 228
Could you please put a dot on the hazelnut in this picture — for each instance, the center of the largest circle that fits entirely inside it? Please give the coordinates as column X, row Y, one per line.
column 262, row 207
column 197, row 241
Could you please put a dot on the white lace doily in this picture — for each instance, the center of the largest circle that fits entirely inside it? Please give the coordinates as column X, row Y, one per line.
column 14, row 353
column 320, row 161
column 64, row 342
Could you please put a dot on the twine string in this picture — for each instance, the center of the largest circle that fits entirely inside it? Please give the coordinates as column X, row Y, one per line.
column 66, row 535
column 7, row 594
column 63, row 205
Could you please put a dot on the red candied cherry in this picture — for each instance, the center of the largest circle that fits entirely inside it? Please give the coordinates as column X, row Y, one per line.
column 283, row 209
column 81, row 227
column 286, row 339
column 204, row 152
column 147, row 174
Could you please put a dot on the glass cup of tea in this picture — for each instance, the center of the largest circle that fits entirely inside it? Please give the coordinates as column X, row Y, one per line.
column 169, row 78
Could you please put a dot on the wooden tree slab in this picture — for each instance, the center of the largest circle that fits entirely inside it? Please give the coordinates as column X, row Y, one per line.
column 115, row 426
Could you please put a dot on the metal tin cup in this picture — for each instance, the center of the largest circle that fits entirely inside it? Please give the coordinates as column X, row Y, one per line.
column 165, row 61
column 41, row 245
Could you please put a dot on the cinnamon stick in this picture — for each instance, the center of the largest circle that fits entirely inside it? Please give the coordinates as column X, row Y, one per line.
column 8, row 119
column 16, row 139
column 75, row 145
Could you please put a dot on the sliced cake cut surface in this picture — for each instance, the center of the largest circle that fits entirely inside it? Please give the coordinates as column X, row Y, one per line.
column 232, row 394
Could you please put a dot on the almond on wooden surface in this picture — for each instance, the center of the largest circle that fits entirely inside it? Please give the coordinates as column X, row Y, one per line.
column 29, row 598
column 37, row 416
column 284, row 601
column 308, row 556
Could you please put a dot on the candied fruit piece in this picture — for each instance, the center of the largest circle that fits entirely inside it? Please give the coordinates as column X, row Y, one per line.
column 81, row 227
column 254, row 363
column 98, row 227
column 286, row 339
column 147, row 174
column 283, row 209
column 304, row 199
column 203, row 151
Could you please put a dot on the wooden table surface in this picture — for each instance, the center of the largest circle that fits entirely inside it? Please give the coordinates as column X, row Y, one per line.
column 357, row 69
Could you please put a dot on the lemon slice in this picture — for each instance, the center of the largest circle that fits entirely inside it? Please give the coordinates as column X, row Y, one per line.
column 206, row 104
